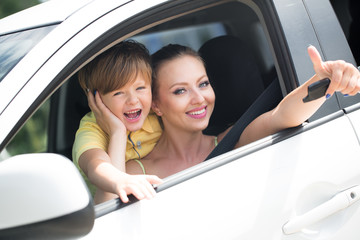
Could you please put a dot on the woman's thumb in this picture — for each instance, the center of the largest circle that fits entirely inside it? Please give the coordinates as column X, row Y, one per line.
column 315, row 59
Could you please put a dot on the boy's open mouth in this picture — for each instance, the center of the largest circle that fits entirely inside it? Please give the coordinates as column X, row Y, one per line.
column 133, row 114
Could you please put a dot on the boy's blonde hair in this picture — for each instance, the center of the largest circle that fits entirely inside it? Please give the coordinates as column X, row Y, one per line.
column 116, row 67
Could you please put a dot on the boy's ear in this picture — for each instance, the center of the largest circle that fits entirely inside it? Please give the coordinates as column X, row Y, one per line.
column 155, row 108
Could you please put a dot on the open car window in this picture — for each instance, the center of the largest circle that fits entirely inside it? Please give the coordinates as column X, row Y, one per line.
column 193, row 36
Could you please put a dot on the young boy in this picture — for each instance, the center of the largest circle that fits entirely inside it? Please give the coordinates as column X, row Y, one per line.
column 120, row 78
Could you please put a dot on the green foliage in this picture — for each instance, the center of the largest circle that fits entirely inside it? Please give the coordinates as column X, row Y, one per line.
column 32, row 137
column 8, row 7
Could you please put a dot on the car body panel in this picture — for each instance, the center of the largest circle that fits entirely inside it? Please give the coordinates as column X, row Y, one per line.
column 252, row 197
column 354, row 117
column 248, row 193
column 56, row 12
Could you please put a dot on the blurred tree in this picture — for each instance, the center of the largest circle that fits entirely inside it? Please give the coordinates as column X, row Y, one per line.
column 8, row 7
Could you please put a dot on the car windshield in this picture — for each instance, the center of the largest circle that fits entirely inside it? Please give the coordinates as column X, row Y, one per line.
column 14, row 46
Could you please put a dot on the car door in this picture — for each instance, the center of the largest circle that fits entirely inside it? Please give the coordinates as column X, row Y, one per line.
column 254, row 193
column 286, row 186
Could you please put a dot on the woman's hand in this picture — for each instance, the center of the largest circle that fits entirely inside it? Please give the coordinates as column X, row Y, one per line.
column 292, row 111
column 138, row 185
column 108, row 122
column 345, row 78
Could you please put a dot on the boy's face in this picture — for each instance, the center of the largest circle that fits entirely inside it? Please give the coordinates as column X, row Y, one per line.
column 131, row 103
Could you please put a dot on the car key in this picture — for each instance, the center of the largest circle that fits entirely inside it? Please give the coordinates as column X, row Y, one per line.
column 317, row 90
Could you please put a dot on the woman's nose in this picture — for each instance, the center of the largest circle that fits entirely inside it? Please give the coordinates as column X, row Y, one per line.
column 197, row 97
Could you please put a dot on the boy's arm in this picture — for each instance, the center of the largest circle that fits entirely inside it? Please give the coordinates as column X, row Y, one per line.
column 107, row 170
column 105, row 175
column 111, row 182
column 292, row 111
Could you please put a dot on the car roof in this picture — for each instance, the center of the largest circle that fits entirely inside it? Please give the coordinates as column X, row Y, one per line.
column 47, row 13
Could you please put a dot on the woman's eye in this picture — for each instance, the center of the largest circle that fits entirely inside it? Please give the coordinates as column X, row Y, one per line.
column 179, row 91
column 204, row 84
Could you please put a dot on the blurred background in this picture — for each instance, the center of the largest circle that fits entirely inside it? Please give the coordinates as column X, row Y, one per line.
column 8, row 7
column 32, row 137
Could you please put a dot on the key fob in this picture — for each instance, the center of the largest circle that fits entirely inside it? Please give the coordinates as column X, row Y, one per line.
column 317, row 90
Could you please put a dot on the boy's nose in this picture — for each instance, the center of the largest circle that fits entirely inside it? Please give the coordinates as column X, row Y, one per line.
column 132, row 99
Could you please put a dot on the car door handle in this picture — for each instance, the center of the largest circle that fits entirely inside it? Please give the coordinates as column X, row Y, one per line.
column 337, row 203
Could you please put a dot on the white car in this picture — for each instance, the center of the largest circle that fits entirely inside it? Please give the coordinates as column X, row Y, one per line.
column 301, row 183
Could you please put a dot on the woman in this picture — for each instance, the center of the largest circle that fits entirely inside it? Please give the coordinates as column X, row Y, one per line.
column 184, row 99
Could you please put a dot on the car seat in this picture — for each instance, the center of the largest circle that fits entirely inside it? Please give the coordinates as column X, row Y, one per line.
column 68, row 106
column 235, row 78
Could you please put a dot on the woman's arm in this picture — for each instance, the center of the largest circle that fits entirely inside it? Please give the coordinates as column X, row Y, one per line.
column 292, row 111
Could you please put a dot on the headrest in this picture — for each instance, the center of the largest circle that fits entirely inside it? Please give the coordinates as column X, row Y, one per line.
column 235, row 77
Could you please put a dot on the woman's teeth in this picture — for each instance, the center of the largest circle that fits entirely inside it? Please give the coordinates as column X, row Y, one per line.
column 197, row 112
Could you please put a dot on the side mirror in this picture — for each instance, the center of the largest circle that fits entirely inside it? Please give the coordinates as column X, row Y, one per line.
column 43, row 196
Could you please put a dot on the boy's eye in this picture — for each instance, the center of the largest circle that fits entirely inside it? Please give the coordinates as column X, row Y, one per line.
column 204, row 84
column 141, row 88
column 118, row 93
column 179, row 91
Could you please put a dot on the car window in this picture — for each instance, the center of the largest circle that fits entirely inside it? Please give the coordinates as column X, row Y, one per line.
column 14, row 46
column 347, row 14
column 32, row 137
column 192, row 36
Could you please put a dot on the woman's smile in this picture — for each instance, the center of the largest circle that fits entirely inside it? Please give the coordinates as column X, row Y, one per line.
column 198, row 113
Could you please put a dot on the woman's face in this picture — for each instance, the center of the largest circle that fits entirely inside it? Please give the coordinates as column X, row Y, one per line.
column 185, row 97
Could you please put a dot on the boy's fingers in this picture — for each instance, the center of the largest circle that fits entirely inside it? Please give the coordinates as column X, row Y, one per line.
column 123, row 196
column 138, row 191
column 154, row 179
column 98, row 100
column 150, row 190
column 147, row 189
column 100, row 105
column 91, row 100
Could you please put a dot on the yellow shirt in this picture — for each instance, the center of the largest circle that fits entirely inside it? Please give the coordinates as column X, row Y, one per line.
column 138, row 145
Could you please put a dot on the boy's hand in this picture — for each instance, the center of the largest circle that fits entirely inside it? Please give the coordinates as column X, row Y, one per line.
column 108, row 122
column 345, row 78
column 138, row 185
